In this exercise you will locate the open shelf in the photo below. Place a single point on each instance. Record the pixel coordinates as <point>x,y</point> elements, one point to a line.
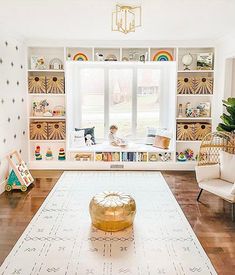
<point>60,99</point>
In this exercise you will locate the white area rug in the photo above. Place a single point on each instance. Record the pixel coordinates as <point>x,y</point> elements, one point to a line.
<point>61,240</point>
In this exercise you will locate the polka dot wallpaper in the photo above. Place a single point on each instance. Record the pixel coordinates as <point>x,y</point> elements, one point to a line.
<point>13,112</point>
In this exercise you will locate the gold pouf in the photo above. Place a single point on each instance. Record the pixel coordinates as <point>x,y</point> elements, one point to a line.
<point>112,211</point>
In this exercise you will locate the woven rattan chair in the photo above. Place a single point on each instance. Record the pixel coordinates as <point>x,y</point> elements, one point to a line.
<point>208,156</point>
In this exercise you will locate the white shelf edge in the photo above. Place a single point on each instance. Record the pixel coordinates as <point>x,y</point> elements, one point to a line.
<point>47,140</point>
<point>47,71</point>
<point>195,95</point>
<point>196,71</point>
<point>47,118</point>
<point>188,141</point>
<point>51,94</point>
<point>194,118</point>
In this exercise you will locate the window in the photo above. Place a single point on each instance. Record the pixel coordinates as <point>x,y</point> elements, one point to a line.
<point>148,100</point>
<point>92,100</point>
<point>120,100</point>
<point>133,97</point>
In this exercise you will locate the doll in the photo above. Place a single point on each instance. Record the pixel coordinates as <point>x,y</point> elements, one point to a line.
<point>89,141</point>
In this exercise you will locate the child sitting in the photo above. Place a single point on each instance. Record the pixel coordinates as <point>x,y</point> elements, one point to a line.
<point>113,139</point>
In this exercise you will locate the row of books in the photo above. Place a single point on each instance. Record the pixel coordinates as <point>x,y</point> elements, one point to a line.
<point>124,156</point>
<point>107,156</point>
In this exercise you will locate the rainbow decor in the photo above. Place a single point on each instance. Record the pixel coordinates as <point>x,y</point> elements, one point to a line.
<point>80,57</point>
<point>163,56</point>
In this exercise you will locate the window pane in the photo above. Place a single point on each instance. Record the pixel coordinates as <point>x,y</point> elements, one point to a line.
<point>148,107</point>
<point>120,100</point>
<point>92,100</point>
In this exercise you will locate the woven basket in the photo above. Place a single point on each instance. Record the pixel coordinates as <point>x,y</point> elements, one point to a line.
<point>185,131</point>
<point>203,85</point>
<point>185,85</point>
<point>37,84</point>
<point>38,130</point>
<point>56,130</point>
<point>201,130</point>
<point>55,85</point>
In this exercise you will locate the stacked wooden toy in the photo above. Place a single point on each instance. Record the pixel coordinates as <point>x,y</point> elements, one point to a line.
<point>61,154</point>
<point>49,155</point>
<point>37,154</point>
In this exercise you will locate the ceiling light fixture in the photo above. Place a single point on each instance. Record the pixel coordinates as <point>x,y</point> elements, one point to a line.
<point>126,18</point>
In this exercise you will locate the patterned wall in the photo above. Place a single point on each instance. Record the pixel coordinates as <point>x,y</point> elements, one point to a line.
<point>13,119</point>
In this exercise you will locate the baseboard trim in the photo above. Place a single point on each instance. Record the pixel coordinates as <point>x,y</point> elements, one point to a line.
<point>2,186</point>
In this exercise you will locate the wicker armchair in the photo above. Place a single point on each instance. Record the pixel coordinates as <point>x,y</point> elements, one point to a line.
<point>208,173</point>
<point>212,144</point>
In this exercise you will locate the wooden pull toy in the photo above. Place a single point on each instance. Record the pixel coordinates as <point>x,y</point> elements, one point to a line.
<point>20,177</point>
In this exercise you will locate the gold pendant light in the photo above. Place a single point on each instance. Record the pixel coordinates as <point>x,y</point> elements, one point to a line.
<point>126,18</point>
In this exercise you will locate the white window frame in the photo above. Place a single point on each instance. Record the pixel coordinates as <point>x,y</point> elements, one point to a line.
<point>70,73</point>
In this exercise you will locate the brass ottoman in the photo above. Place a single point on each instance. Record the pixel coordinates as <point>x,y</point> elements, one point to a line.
<point>112,211</point>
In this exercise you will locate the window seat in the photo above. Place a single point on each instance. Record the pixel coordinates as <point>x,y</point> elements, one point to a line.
<point>131,147</point>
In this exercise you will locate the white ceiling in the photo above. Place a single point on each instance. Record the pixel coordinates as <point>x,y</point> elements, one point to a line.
<point>91,19</point>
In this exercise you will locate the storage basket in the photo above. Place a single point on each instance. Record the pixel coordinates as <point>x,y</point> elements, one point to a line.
<point>201,130</point>
<point>203,85</point>
<point>56,130</point>
<point>38,130</point>
<point>37,84</point>
<point>185,85</point>
<point>185,131</point>
<point>55,85</point>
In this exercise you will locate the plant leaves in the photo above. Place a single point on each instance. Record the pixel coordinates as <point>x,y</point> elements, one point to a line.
<point>227,128</point>
<point>228,120</point>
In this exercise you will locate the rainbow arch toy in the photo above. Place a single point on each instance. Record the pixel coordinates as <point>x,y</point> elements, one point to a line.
<point>80,57</point>
<point>163,56</point>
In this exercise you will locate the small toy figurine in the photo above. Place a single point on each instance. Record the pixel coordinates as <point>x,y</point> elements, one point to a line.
<point>113,139</point>
<point>61,155</point>
<point>189,154</point>
<point>89,141</point>
<point>181,157</point>
<point>49,155</point>
<point>37,153</point>
<point>180,111</point>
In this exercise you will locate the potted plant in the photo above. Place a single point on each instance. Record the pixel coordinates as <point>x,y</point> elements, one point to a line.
<point>228,118</point>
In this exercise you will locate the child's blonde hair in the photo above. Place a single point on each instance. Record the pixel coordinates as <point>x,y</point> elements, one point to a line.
<point>112,127</point>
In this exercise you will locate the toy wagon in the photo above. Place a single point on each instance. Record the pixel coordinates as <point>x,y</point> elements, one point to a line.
<point>20,177</point>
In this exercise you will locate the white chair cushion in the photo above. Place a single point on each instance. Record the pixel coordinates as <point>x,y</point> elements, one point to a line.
<point>219,187</point>
<point>207,172</point>
<point>233,189</point>
<point>227,166</point>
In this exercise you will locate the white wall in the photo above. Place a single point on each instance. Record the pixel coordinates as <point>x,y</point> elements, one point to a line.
<point>225,73</point>
<point>13,119</point>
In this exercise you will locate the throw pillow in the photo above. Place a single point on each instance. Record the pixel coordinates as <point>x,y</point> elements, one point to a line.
<point>78,139</point>
<point>207,172</point>
<point>151,133</point>
<point>90,131</point>
<point>227,166</point>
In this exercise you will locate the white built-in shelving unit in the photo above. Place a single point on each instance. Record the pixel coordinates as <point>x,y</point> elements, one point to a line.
<point>66,54</point>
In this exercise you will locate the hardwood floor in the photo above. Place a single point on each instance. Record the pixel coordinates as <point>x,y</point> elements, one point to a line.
<point>209,219</point>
